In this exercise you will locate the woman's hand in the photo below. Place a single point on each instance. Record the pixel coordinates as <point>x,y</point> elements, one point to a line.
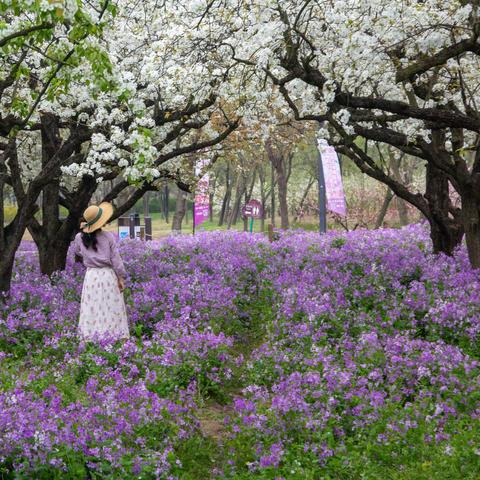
<point>121,284</point>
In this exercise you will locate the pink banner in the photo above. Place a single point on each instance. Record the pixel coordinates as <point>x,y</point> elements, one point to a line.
<point>201,209</point>
<point>333,180</point>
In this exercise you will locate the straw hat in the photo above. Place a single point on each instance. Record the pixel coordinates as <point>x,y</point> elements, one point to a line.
<point>96,217</point>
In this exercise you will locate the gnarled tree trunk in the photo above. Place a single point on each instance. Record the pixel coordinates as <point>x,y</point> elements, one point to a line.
<point>471,224</point>
<point>446,228</point>
<point>53,255</point>
<point>446,232</point>
<point>11,235</point>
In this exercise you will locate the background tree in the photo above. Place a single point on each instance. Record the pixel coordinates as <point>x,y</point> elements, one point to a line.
<point>127,130</point>
<point>280,147</point>
<point>41,46</point>
<point>402,74</point>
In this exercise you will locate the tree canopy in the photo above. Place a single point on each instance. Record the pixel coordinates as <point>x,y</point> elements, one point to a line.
<point>126,92</point>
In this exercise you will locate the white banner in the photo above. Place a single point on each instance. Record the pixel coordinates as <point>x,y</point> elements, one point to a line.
<point>333,179</point>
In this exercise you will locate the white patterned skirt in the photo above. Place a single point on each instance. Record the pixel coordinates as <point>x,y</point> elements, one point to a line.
<point>102,311</point>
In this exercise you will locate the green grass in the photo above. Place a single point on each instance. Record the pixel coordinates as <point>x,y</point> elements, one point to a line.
<point>159,224</point>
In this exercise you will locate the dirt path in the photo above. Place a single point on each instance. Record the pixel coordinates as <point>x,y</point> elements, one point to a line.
<point>213,416</point>
<point>212,421</point>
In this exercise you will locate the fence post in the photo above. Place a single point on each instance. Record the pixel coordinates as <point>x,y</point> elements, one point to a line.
<point>270,232</point>
<point>148,228</point>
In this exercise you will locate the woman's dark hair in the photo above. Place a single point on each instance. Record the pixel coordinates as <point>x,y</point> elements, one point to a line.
<point>90,239</point>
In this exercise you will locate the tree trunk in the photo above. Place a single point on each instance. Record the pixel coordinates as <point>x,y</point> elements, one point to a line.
<point>384,208</point>
<point>402,209</point>
<point>53,255</point>
<point>6,271</point>
<point>54,235</point>
<point>282,199</point>
<point>225,206</point>
<point>53,244</point>
<point>232,220</point>
<point>180,210</point>
<point>11,235</point>
<point>446,232</point>
<point>471,224</point>
<point>49,237</point>
<point>282,171</point>
<point>146,205</point>
<point>264,194</point>
<point>226,197</point>
<point>445,238</point>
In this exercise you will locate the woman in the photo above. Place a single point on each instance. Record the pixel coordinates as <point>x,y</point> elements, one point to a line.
<point>102,311</point>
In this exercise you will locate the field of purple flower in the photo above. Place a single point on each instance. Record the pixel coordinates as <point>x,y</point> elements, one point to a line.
<point>344,356</point>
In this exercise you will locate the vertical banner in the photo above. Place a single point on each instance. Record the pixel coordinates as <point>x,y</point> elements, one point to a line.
<point>201,206</point>
<point>333,179</point>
